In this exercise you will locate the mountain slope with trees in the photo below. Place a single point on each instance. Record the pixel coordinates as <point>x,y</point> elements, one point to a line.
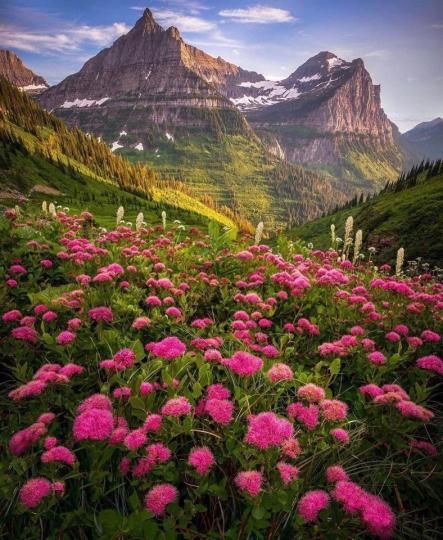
<point>40,154</point>
<point>407,213</point>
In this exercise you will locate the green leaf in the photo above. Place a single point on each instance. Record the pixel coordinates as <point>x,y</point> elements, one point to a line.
<point>334,368</point>
<point>139,350</point>
<point>134,502</point>
<point>258,512</point>
<point>48,339</point>
<point>110,521</point>
<point>137,403</point>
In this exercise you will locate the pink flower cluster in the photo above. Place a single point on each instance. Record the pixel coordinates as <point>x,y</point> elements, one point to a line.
<point>47,374</point>
<point>267,429</point>
<point>168,348</point>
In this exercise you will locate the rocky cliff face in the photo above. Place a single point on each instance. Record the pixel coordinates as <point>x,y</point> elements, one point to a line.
<point>14,71</point>
<point>150,79</point>
<point>328,112</point>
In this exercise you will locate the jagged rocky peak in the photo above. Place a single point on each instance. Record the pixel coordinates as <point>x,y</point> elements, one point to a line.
<point>149,77</point>
<point>318,66</point>
<point>14,70</point>
<point>320,75</point>
<point>147,23</point>
<point>173,32</point>
<point>149,61</point>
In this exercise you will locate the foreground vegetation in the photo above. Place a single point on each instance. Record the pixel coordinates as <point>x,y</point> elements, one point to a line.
<point>164,382</point>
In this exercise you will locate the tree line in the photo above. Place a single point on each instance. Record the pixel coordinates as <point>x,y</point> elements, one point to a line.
<point>422,172</point>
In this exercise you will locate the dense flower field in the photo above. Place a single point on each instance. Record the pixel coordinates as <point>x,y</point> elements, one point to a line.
<point>163,383</point>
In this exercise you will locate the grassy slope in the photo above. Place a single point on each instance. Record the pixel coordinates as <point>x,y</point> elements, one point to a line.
<point>412,218</point>
<point>81,187</point>
<point>233,171</point>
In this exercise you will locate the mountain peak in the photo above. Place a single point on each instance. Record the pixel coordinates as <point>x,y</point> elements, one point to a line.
<point>324,55</point>
<point>14,70</point>
<point>173,32</point>
<point>147,23</point>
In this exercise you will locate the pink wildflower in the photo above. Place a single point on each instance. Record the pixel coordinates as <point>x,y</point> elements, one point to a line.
<point>333,409</point>
<point>32,493</point>
<point>412,410</point>
<point>152,423</point>
<point>376,357</point>
<point>311,392</point>
<point>340,434</point>
<point>430,336</point>
<point>267,429</point>
<point>168,348</point>
<point>176,407</point>
<point>59,453</point>
<point>134,439</point>
<point>141,322</point>
<point>124,358</point>
<point>288,472</point>
<point>312,502</point>
<point>217,391</point>
<point>352,497</point>
<point>280,372</point>
<point>159,497</point>
<point>158,453</point>
<point>65,338</point>
<point>202,459</point>
<point>25,333</point>
<point>93,424</point>
<point>291,448</point>
<point>371,390</point>
<point>146,388</point>
<point>244,364</point>
<point>431,363</point>
<point>101,313</point>
<point>336,473</point>
<point>249,481</point>
<point>220,410</point>
<point>308,416</point>
<point>378,517</point>
<point>426,447</point>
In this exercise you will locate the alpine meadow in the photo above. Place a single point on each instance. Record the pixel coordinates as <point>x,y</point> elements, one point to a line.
<point>221,270</point>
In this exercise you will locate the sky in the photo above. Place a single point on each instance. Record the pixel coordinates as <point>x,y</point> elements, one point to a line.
<point>400,41</point>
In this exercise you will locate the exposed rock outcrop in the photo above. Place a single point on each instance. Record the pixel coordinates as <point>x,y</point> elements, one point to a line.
<point>149,79</point>
<point>14,70</point>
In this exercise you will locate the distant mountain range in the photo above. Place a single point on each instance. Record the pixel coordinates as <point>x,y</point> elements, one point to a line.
<point>229,132</point>
<point>426,139</point>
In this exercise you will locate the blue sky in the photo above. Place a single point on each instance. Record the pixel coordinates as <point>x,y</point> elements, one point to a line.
<point>401,41</point>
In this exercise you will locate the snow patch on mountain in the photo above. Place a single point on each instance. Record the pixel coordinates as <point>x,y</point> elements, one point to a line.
<point>139,146</point>
<point>30,87</point>
<point>334,62</point>
<point>83,103</point>
<point>311,78</point>
<point>115,146</point>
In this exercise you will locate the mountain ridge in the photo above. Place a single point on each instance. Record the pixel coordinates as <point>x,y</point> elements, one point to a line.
<point>155,98</point>
<point>17,73</point>
<point>426,139</point>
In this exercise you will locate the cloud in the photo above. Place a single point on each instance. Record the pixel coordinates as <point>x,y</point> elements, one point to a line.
<point>216,38</point>
<point>258,14</point>
<point>378,53</point>
<point>192,6</point>
<point>185,23</point>
<point>438,26</point>
<point>69,39</point>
